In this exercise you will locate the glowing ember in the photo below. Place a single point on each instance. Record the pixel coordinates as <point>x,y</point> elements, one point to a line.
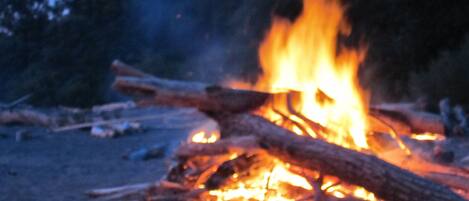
<point>427,137</point>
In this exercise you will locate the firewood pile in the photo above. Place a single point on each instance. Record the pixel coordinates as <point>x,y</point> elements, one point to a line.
<point>253,158</point>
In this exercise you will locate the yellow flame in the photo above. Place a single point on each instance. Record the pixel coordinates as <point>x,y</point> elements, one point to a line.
<point>205,137</point>
<point>364,194</point>
<point>302,56</point>
<point>259,187</point>
<point>427,137</point>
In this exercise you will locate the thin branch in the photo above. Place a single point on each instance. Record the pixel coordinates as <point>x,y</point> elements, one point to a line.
<point>393,134</point>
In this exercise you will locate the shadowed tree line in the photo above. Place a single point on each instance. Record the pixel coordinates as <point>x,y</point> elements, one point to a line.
<point>61,51</point>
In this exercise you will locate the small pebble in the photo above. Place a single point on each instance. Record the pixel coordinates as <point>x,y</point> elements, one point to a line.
<point>156,151</point>
<point>12,173</point>
<point>22,135</point>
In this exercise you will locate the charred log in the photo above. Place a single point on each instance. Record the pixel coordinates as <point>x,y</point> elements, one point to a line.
<point>385,180</point>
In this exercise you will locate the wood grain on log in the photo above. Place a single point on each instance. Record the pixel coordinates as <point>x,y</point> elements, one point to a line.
<point>208,98</point>
<point>385,180</point>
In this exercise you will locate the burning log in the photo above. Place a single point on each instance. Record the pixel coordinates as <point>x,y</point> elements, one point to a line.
<point>387,181</point>
<point>225,171</point>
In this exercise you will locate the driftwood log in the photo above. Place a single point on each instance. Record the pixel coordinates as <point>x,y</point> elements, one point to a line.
<point>61,118</point>
<point>228,107</point>
<point>208,98</point>
<point>25,116</point>
<point>402,118</point>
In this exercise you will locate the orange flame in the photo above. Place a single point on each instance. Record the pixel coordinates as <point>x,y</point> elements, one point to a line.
<point>302,56</point>
<point>259,187</point>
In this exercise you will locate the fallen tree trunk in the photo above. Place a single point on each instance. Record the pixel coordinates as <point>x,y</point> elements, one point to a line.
<point>385,180</point>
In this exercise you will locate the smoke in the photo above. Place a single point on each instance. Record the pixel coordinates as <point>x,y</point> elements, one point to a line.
<point>206,40</point>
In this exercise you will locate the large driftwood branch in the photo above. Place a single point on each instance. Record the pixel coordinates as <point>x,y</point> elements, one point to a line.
<point>212,98</point>
<point>385,180</point>
<point>208,98</point>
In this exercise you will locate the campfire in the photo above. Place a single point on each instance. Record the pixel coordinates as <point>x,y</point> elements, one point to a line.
<point>319,97</point>
<point>304,131</point>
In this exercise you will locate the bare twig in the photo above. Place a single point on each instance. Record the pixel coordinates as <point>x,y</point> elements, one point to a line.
<point>295,123</point>
<point>16,102</point>
<point>315,126</point>
<point>393,134</point>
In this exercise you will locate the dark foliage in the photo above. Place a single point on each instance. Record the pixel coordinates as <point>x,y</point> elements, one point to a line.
<point>403,36</point>
<point>447,76</point>
<point>64,59</point>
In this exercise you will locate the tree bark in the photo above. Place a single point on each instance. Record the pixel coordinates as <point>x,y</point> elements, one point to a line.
<point>387,181</point>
